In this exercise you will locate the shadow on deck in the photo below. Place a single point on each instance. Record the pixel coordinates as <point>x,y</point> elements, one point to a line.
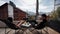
<point>54,25</point>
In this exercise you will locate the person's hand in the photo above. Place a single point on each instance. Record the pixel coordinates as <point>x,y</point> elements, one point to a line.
<point>35,24</point>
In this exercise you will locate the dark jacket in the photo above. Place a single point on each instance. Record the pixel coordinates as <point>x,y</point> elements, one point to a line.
<point>10,24</point>
<point>41,25</point>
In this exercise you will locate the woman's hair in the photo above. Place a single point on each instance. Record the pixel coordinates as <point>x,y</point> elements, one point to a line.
<point>10,19</point>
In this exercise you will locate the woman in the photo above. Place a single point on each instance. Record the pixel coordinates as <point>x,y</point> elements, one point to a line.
<point>10,24</point>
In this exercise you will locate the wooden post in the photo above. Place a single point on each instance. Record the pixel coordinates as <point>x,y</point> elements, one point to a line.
<point>37,7</point>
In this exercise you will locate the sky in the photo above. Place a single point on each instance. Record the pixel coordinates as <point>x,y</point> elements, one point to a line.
<point>30,5</point>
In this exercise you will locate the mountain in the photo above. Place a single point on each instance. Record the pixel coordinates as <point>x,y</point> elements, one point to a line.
<point>31,13</point>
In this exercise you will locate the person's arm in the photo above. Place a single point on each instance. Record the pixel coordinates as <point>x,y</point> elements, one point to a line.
<point>21,22</point>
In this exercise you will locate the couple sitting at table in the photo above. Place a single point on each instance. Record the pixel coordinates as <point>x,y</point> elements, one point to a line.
<point>9,23</point>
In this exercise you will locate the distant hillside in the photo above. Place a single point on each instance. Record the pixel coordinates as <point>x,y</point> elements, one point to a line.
<point>31,13</point>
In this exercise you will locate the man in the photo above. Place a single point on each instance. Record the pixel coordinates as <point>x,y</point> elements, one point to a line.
<point>43,23</point>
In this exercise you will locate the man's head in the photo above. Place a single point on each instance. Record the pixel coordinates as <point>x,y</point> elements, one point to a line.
<point>44,16</point>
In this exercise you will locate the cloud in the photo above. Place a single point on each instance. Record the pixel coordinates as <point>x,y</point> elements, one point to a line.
<point>29,5</point>
<point>29,2</point>
<point>42,7</point>
<point>6,0</point>
<point>29,8</point>
<point>1,2</point>
<point>46,7</point>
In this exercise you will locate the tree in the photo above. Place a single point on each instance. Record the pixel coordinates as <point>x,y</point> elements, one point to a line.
<point>58,11</point>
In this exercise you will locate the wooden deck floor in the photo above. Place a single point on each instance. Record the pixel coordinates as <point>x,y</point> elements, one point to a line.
<point>44,31</point>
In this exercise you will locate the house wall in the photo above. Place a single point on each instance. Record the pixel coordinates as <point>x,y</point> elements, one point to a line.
<point>10,11</point>
<point>19,14</point>
<point>3,12</point>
